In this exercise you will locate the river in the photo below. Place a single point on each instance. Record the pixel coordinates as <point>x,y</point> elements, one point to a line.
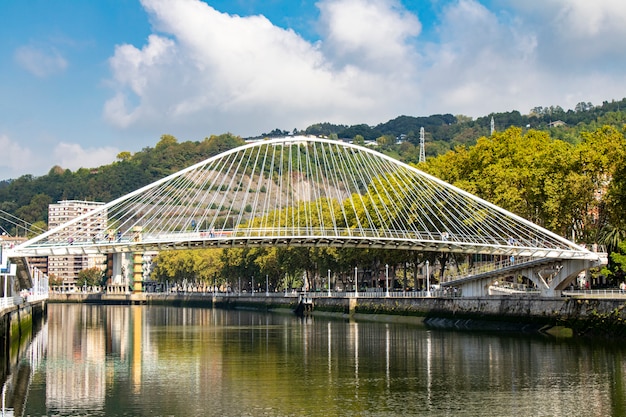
<point>94,360</point>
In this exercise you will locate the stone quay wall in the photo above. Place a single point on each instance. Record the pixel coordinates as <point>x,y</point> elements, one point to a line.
<point>18,322</point>
<point>581,316</point>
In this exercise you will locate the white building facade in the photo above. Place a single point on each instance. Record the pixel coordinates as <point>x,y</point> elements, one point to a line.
<point>67,267</point>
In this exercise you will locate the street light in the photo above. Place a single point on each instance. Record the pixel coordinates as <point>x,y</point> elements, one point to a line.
<point>329,282</point>
<point>356,281</point>
<point>427,281</point>
<point>387,279</point>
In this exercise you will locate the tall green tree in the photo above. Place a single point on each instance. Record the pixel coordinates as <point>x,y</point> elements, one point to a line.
<point>90,277</point>
<point>523,173</point>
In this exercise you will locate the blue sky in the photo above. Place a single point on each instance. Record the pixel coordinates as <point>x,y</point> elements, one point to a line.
<point>81,81</point>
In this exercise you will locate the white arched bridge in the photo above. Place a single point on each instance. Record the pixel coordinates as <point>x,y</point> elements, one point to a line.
<point>304,191</point>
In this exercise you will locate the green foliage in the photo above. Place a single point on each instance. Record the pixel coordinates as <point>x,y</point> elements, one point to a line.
<point>31,212</point>
<point>90,277</point>
<point>364,130</point>
<point>548,174</point>
<point>27,197</point>
<point>124,156</point>
<point>197,265</point>
<point>324,129</point>
<point>547,181</point>
<point>619,261</point>
<point>54,280</point>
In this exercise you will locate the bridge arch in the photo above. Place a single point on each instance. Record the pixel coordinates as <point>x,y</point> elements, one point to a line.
<point>303,191</point>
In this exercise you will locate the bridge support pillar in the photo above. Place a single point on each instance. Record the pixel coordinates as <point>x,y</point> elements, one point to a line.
<point>554,285</point>
<point>109,269</point>
<point>137,272</point>
<point>122,269</point>
<point>550,276</point>
<point>474,289</point>
<point>551,293</point>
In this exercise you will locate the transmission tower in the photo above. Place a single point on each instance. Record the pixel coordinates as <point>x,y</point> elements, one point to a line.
<point>422,151</point>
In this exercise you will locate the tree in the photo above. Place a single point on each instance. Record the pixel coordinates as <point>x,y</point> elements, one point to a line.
<point>523,173</point>
<point>90,277</point>
<point>582,107</point>
<point>166,140</point>
<point>202,266</point>
<point>54,280</point>
<point>36,209</point>
<point>124,156</point>
<point>359,140</point>
<point>386,141</point>
<point>217,144</point>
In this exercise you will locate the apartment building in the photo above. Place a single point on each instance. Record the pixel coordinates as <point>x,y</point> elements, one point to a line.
<point>67,267</point>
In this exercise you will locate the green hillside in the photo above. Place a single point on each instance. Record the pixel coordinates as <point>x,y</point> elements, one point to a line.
<point>27,197</point>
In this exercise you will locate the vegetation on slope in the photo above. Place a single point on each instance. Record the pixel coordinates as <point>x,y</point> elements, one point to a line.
<point>569,178</point>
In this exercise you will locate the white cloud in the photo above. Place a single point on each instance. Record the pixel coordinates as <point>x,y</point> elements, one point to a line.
<point>73,156</point>
<point>576,19</point>
<point>39,62</point>
<point>577,35</point>
<point>514,59</point>
<point>372,33</point>
<point>582,19</point>
<point>203,72</point>
<point>480,63</point>
<point>212,71</point>
<point>14,159</point>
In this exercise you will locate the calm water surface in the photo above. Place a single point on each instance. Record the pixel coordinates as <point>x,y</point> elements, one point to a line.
<point>168,361</point>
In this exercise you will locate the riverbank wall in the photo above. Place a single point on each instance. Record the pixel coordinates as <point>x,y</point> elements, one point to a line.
<point>18,324</point>
<point>563,316</point>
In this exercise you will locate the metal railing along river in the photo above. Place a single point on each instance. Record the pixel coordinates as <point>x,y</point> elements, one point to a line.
<point>448,292</point>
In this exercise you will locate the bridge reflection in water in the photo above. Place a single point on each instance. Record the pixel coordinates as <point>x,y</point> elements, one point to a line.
<point>147,360</point>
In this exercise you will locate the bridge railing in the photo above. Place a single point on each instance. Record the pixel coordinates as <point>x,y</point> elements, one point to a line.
<point>132,237</point>
<point>37,297</point>
<point>486,267</point>
<point>603,293</point>
<point>265,232</point>
<point>442,292</point>
<point>6,302</point>
<point>446,292</point>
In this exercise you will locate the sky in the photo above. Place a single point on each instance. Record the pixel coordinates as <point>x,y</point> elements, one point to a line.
<point>82,81</point>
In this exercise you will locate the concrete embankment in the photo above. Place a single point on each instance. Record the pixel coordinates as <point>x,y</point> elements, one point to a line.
<point>563,316</point>
<point>18,324</point>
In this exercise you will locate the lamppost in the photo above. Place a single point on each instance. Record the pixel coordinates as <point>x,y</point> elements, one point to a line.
<point>329,282</point>
<point>356,281</point>
<point>427,281</point>
<point>239,292</point>
<point>252,285</point>
<point>387,279</point>
<point>267,286</point>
